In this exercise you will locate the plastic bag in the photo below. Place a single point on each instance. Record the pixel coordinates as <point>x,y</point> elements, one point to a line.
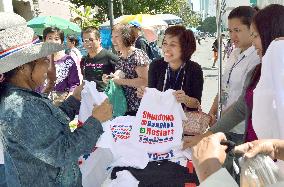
<point>117,98</point>
<point>259,171</point>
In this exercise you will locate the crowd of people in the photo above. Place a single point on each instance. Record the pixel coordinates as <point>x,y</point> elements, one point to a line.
<point>41,85</point>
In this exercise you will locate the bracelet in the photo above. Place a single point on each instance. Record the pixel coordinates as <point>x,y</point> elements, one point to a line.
<point>195,101</point>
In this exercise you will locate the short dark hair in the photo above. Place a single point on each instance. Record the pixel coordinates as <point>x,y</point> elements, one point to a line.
<point>244,13</point>
<point>127,34</point>
<point>48,30</point>
<point>186,39</point>
<point>91,30</point>
<point>73,38</point>
<point>269,23</point>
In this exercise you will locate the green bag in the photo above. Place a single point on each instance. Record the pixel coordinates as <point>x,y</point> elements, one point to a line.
<point>117,98</point>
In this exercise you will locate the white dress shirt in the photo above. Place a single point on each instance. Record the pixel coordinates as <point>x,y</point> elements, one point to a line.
<point>268,99</point>
<point>236,69</point>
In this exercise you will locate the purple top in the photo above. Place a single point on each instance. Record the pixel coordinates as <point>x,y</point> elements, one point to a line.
<point>66,74</point>
<point>250,134</point>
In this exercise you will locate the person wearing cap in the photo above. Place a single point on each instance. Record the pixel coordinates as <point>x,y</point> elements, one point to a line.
<point>72,44</point>
<point>39,148</point>
<point>140,41</point>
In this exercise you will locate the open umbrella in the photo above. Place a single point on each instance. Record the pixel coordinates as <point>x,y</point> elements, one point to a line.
<point>171,19</point>
<point>38,24</point>
<point>145,20</point>
<point>149,24</point>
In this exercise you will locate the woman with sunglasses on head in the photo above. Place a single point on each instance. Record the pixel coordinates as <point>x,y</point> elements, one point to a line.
<point>132,65</point>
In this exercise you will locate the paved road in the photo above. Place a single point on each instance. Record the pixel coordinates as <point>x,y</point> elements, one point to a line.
<point>204,56</point>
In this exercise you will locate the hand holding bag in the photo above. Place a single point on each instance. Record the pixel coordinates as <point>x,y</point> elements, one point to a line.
<point>117,98</point>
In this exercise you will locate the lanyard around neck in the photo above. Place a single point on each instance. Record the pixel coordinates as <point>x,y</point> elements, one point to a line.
<point>232,68</point>
<point>168,76</point>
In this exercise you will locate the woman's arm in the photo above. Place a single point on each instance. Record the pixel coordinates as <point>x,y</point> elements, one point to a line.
<point>271,147</point>
<point>48,136</point>
<point>141,61</point>
<point>214,108</point>
<point>141,80</point>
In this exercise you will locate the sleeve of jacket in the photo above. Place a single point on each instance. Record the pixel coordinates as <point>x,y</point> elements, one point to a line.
<point>232,117</point>
<point>153,75</point>
<point>236,113</point>
<point>70,106</point>
<point>196,82</point>
<point>48,137</point>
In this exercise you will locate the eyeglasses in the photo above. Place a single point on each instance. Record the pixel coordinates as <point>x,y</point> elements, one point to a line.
<point>88,40</point>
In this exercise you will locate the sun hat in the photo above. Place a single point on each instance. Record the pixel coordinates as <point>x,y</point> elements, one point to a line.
<point>18,43</point>
<point>135,23</point>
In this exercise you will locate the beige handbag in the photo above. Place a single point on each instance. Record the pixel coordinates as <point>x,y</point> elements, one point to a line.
<point>196,123</point>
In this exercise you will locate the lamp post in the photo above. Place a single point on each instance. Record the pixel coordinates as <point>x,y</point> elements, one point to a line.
<point>220,10</point>
<point>121,6</point>
<point>110,11</point>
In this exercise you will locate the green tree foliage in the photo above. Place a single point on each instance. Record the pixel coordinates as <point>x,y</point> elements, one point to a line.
<point>86,17</point>
<point>180,8</point>
<point>208,25</point>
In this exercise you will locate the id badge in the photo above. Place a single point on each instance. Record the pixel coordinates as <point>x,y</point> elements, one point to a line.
<point>224,96</point>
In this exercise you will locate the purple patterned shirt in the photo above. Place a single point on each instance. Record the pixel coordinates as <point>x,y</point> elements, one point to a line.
<point>66,74</point>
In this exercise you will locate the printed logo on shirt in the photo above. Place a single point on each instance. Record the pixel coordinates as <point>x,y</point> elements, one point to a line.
<point>94,65</point>
<point>156,128</point>
<point>161,156</point>
<point>120,131</point>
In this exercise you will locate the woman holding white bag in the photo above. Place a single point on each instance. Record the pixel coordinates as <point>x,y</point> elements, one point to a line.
<point>176,71</point>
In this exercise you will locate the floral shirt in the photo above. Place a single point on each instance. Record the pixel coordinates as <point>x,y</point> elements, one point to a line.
<point>128,66</point>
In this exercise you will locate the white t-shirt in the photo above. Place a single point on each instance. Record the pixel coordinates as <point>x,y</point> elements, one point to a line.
<point>90,97</point>
<point>239,64</point>
<point>154,134</point>
<point>116,137</point>
<point>159,128</point>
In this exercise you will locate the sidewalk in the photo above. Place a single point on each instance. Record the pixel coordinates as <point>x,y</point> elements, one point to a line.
<point>204,57</point>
